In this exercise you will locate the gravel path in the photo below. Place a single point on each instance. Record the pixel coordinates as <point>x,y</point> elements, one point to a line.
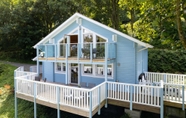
<point>26,66</point>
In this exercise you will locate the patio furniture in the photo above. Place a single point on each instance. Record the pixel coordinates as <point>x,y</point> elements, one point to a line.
<point>37,78</point>
<point>86,53</point>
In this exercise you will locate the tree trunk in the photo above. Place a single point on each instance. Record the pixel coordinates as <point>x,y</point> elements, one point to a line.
<point>115,14</point>
<point>179,23</point>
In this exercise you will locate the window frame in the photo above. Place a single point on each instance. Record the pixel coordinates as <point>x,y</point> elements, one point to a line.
<point>62,66</point>
<point>94,71</point>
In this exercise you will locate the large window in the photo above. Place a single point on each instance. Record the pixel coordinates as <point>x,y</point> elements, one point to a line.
<point>60,67</point>
<point>87,69</point>
<point>97,70</point>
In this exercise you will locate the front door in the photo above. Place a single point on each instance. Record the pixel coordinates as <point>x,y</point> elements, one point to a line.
<point>74,73</point>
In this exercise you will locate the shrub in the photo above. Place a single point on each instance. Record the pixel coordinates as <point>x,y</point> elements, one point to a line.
<point>169,61</point>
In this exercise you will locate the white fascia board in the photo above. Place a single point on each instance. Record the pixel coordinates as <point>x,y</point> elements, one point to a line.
<point>57,30</point>
<point>115,31</point>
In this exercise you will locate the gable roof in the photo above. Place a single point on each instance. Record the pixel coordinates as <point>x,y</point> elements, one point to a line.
<point>78,15</point>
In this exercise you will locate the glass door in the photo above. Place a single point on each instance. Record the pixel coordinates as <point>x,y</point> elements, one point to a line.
<point>74,73</point>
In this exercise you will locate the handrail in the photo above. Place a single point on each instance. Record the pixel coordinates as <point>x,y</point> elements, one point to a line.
<point>166,77</point>
<point>46,83</point>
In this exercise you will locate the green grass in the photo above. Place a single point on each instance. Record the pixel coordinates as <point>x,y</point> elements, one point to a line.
<point>7,95</point>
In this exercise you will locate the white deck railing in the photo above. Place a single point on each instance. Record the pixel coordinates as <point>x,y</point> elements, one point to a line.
<point>34,69</point>
<point>141,94</point>
<point>173,92</point>
<point>25,87</point>
<point>28,75</point>
<point>98,94</point>
<point>70,96</point>
<point>166,77</point>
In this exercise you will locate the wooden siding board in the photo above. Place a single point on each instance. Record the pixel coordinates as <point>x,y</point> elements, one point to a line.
<point>145,60</point>
<point>48,71</point>
<point>139,61</point>
<point>59,77</point>
<point>125,60</point>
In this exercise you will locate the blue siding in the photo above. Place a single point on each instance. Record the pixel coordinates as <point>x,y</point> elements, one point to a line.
<point>145,60</point>
<point>59,78</point>
<point>48,71</point>
<point>93,80</point>
<point>65,31</point>
<point>125,60</point>
<point>139,61</point>
<point>50,51</point>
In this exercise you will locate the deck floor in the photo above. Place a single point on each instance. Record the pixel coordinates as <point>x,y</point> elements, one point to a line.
<point>81,107</point>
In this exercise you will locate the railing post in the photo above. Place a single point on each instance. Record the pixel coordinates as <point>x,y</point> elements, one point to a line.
<point>106,94</point>
<point>38,70</point>
<point>131,92</point>
<point>183,98</point>
<point>161,100</point>
<point>35,93</point>
<point>15,89</point>
<point>165,78</point>
<point>90,52</point>
<point>99,100</point>
<point>58,100</point>
<point>90,107</point>
<point>66,62</point>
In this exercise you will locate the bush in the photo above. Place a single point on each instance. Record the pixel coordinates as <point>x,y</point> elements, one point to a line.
<point>169,61</point>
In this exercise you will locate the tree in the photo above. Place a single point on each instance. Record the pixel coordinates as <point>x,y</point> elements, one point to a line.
<point>180,14</point>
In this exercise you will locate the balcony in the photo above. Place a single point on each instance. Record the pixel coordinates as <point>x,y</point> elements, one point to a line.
<point>80,52</point>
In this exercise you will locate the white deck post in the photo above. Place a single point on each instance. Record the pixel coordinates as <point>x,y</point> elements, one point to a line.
<point>183,98</point>
<point>15,89</point>
<point>131,92</point>
<point>38,69</point>
<point>161,102</point>
<point>91,52</point>
<point>35,93</point>
<point>79,74</point>
<point>58,100</point>
<point>90,102</point>
<point>66,79</point>
<point>106,76</point>
<point>99,111</point>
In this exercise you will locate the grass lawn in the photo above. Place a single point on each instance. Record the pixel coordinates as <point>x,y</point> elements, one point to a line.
<point>7,95</point>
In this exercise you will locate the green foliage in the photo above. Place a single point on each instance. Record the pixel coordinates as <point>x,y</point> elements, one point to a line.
<point>170,61</point>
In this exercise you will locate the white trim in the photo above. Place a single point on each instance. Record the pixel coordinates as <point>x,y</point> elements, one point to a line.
<point>77,15</point>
